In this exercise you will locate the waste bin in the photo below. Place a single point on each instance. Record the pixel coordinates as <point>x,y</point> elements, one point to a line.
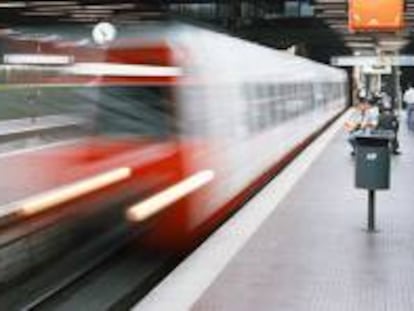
<point>373,160</point>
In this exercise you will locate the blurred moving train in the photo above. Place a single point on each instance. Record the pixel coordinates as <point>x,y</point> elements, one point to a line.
<point>187,123</point>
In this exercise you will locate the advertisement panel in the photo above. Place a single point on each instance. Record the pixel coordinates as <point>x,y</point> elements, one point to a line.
<point>371,15</point>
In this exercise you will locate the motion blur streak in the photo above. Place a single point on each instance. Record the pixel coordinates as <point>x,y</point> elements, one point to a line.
<point>37,59</point>
<point>55,197</point>
<point>92,69</point>
<point>158,202</point>
<point>122,70</point>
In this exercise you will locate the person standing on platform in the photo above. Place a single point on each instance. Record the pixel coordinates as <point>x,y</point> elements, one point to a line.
<point>409,100</point>
<point>389,121</point>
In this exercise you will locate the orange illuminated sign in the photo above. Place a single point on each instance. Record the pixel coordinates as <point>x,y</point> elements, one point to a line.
<point>376,14</point>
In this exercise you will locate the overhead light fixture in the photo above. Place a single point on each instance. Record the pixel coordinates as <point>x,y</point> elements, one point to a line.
<point>91,11</point>
<point>360,45</point>
<point>7,32</point>
<point>54,8</point>
<point>349,38</point>
<point>79,20</point>
<point>339,26</point>
<point>89,14</point>
<point>49,3</point>
<point>41,13</point>
<point>10,5</point>
<point>146,14</point>
<point>22,38</point>
<point>50,38</point>
<point>103,33</point>
<point>81,42</point>
<point>121,6</point>
<point>335,11</point>
<point>397,43</point>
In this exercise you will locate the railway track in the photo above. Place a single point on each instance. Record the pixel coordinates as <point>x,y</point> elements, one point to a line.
<point>112,273</point>
<point>44,258</point>
<point>116,283</point>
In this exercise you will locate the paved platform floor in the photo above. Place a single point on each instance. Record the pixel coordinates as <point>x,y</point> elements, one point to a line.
<point>313,252</point>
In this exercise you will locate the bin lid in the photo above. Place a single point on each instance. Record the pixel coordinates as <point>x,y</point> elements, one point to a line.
<point>376,134</point>
<point>376,137</point>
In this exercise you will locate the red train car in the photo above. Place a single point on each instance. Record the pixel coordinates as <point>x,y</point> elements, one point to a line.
<point>185,123</point>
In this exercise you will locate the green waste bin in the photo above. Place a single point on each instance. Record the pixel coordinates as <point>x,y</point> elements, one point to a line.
<point>373,160</point>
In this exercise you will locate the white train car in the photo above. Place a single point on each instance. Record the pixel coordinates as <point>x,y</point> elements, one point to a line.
<point>254,105</point>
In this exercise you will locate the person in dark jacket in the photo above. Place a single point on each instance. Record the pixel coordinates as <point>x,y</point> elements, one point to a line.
<point>389,121</point>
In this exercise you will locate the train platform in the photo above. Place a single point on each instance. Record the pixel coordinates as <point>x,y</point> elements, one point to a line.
<point>302,242</point>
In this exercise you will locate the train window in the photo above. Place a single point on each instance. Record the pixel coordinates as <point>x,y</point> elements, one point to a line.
<point>248,92</point>
<point>269,91</point>
<point>282,102</point>
<point>263,115</point>
<point>272,104</point>
<point>272,91</point>
<point>280,111</point>
<point>250,114</point>
<point>259,91</point>
<point>287,91</point>
<point>134,111</point>
<point>304,97</point>
<point>265,91</point>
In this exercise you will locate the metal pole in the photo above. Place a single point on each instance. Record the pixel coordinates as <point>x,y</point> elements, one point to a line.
<point>371,210</point>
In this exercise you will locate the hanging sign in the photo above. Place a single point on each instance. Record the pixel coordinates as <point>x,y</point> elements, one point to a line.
<point>372,15</point>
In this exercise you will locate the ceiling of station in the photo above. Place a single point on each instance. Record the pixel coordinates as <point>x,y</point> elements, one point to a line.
<point>335,14</point>
<point>328,24</point>
<point>82,11</point>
